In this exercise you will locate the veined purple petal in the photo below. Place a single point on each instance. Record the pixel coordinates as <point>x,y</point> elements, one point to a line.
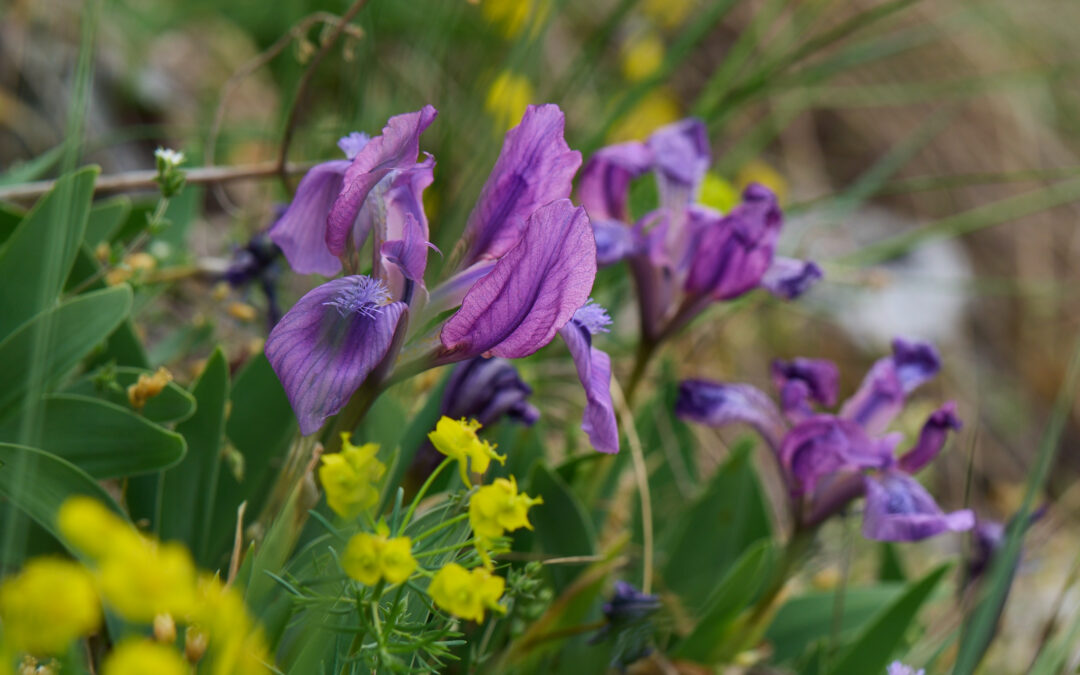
<point>931,438</point>
<point>352,144</point>
<point>680,157</point>
<point>329,342</point>
<point>881,395</point>
<point>396,148</point>
<point>825,445</point>
<point>605,181</point>
<point>789,278</point>
<point>486,389</point>
<point>300,232</point>
<point>614,241</point>
<point>451,292</point>
<point>733,254</point>
<point>531,292</point>
<point>535,167</point>
<point>801,380</point>
<point>401,230</point>
<point>594,370</point>
<point>408,254</point>
<point>719,404</point>
<point>898,508</point>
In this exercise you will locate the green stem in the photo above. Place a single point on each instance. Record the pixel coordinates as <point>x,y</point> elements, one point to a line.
<point>443,525</point>
<point>420,494</point>
<point>445,549</point>
<point>645,351</point>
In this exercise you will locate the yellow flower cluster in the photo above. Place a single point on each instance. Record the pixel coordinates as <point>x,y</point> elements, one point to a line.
<point>147,387</point>
<point>369,558</point>
<point>457,440</point>
<point>467,594</point>
<point>349,477</point>
<point>47,606</point>
<point>499,507</point>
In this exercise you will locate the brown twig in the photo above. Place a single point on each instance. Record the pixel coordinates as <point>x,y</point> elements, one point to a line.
<point>145,180</point>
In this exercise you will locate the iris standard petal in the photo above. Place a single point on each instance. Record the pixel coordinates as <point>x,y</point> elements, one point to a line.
<point>300,232</point>
<point>719,404</point>
<point>825,445</point>
<point>329,342</point>
<point>594,370</point>
<point>397,148</point>
<point>531,292</point>
<point>931,438</point>
<point>604,188</point>
<point>680,153</point>
<point>535,166</point>
<point>789,278</point>
<point>898,508</point>
<point>880,397</point>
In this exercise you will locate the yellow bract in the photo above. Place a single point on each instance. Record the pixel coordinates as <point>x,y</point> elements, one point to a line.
<point>136,656</point>
<point>718,193</point>
<point>349,477</point>
<point>371,557</point>
<point>507,99</point>
<point>498,508</point>
<point>457,440</point>
<point>466,594</point>
<point>642,57</point>
<point>47,605</point>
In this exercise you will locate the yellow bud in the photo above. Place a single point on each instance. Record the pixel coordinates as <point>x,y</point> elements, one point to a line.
<point>141,262</point>
<point>242,311</point>
<point>50,603</point>
<point>164,628</point>
<point>117,275</point>
<point>195,641</point>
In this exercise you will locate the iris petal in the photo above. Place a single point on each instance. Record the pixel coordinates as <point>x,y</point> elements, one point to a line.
<point>300,232</point>
<point>719,404</point>
<point>594,370</point>
<point>898,508</point>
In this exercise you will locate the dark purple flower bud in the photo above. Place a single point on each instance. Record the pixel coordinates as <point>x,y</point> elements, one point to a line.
<point>680,158</point>
<point>898,508</point>
<point>604,187</point>
<point>986,539</point>
<point>628,624</point>
<point>815,379</point>
<point>628,604</point>
<point>881,395</point>
<point>329,342</point>
<point>931,438</point>
<point>531,292</point>
<point>732,254</point>
<point>535,167</point>
<point>252,262</point>
<point>485,390</point>
<point>788,278</point>
<point>594,370</point>
<point>825,445</point>
<point>718,404</point>
<point>615,242</point>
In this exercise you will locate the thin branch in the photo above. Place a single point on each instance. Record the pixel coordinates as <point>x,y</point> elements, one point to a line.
<point>144,180</point>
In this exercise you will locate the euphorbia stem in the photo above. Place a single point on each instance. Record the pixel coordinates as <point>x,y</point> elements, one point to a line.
<point>645,351</point>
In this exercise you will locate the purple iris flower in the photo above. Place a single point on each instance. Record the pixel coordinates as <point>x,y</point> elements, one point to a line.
<point>684,255</point>
<point>827,459</point>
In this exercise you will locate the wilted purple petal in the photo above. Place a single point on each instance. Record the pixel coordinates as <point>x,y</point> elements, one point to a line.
<point>801,380</point>
<point>397,148</point>
<point>535,167</point>
<point>732,255</point>
<point>614,241</point>
<point>531,292</point>
<point>352,144</point>
<point>605,181</point>
<point>899,509</point>
<point>486,389</point>
<point>326,345</point>
<point>680,157</point>
<point>825,445</point>
<point>881,395</point>
<point>594,370</point>
<point>718,404</point>
<point>301,230</point>
<point>931,438</point>
<point>789,278</point>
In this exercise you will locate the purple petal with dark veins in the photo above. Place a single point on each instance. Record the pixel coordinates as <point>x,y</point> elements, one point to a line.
<point>931,438</point>
<point>329,342</point>
<point>594,370</point>
<point>898,508</point>
<point>718,404</point>
<point>396,148</point>
<point>789,278</point>
<point>300,232</point>
<point>535,167</point>
<point>531,292</point>
<point>605,181</point>
<point>825,445</point>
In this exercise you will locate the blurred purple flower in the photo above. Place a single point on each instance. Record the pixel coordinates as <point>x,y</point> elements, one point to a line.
<point>487,389</point>
<point>828,460</point>
<point>897,668</point>
<point>628,624</point>
<point>257,263</point>
<point>594,370</point>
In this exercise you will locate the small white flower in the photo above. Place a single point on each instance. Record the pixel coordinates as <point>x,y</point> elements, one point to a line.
<point>169,156</point>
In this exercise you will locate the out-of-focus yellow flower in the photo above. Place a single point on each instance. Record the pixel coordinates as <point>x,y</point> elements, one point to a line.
<point>349,477</point>
<point>758,171</point>
<point>141,261</point>
<point>371,557</point>
<point>241,311</point>
<point>507,99</point>
<point>148,579</point>
<point>642,56</point>
<point>457,440</point>
<point>718,193</point>
<point>467,594</point>
<point>511,16</point>
<point>667,13</point>
<point>50,603</point>
<point>221,620</point>
<point>499,507</point>
<point>93,529</point>
<point>136,656</point>
<point>652,112</point>
<point>118,275</point>
<point>148,386</point>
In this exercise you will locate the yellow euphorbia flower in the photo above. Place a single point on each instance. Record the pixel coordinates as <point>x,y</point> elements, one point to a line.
<point>371,557</point>
<point>642,57</point>
<point>466,594</point>
<point>653,111</point>
<point>237,644</point>
<point>718,193</point>
<point>498,508</point>
<point>457,440</point>
<point>136,656</point>
<point>47,606</point>
<point>507,99</point>
<point>146,579</point>
<point>349,477</point>
<point>92,528</point>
